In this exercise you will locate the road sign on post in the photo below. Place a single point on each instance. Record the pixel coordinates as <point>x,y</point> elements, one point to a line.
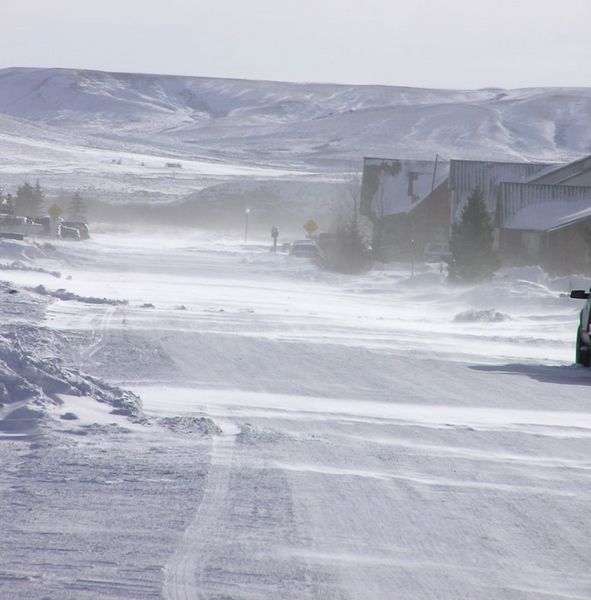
<point>55,211</point>
<point>310,227</point>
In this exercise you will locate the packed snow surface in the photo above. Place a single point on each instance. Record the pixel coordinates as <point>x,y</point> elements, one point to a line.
<point>304,434</point>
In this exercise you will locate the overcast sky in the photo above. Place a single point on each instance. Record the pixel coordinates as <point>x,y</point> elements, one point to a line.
<point>427,43</point>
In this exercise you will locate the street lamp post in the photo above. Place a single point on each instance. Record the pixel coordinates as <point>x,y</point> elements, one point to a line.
<point>246,213</point>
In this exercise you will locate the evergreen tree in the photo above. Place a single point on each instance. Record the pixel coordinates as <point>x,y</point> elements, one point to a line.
<point>24,200</point>
<point>348,252</point>
<point>29,200</point>
<point>77,210</point>
<point>472,255</point>
<point>37,201</point>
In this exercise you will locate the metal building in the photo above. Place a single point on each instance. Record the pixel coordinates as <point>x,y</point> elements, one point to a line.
<point>412,203</point>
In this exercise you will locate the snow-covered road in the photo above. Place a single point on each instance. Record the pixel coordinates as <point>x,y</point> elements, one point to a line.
<point>383,436</point>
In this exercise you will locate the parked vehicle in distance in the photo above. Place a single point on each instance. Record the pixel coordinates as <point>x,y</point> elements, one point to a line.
<point>80,226</point>
<point>42,226</point>
<point>20,225</point>
<point>436,252</point>
<point>304,248</point>
<point>583,341</point>
<point>69,233</point>
<point>11,236</point>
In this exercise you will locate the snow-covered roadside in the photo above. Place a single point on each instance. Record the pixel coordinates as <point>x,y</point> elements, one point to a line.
<point>372,444</point>
<point>33,376</point>
<point>87,482</point>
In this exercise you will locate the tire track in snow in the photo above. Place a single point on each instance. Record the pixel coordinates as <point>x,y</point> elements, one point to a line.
<point>99,334</point>
<point>184,571</point>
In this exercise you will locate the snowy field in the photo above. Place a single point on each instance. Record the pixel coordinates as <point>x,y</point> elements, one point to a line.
<point>114,133</point>
<point>375,436</point>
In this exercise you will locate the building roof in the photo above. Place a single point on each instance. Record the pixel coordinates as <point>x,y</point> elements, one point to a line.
<point>573,173</point>
<point>393,186</point>
<point>572,219</point>
<point>542,207</point>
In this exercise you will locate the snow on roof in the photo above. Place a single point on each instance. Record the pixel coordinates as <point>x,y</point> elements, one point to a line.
<point>542,207</point>
<point>573,218</point>
<point>393,186</point>
<point>564,173</point>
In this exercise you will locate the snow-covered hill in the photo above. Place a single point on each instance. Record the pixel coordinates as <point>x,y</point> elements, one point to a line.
<point>116,132</point>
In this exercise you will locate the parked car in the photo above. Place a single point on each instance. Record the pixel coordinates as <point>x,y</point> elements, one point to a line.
<point>304,248</point>
<point>436,252</point>
<point>44,222</point>
<point>80,226</point>
<point>583,341</point>
<point>20,225</point>
<point>69,233</point>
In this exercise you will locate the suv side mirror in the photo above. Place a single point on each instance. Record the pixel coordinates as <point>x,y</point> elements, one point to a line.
<point>579,294</point>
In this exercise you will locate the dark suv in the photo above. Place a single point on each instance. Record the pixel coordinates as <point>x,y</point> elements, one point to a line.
<point>583,344</point>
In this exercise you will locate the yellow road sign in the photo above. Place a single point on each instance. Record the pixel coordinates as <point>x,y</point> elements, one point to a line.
<point>310,226</point>
<point>55,211</point>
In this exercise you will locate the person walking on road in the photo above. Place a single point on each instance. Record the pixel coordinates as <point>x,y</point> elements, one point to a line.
<point>274,235</point>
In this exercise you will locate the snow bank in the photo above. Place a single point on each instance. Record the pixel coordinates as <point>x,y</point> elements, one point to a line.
<point>536,274</point>
<point>62,294</point>
<point>33,378</point>
<point>21,250</point>
<point>18,265</point>
<point>189,424</point>
<point>26,376</point>
<point>486,316</point>
<point>521,289</point>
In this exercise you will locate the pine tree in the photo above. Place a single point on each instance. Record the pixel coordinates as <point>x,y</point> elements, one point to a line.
<point>23,205</point>
<point>77,210</point>
<point>348,252</point>
<point>472,255</point>
<point>37,200</point>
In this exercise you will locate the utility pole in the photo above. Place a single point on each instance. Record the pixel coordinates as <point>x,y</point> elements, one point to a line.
<point>246,213</point>
<point>434,172</point>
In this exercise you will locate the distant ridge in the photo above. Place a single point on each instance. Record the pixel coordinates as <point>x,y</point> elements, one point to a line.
<point>52,120</point>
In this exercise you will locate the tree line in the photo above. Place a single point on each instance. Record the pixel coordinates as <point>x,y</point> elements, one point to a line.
<point>29,201</point>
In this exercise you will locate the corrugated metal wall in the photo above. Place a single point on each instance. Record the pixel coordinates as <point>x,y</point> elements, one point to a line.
<point>514,197</point>
<point>465,175</point>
